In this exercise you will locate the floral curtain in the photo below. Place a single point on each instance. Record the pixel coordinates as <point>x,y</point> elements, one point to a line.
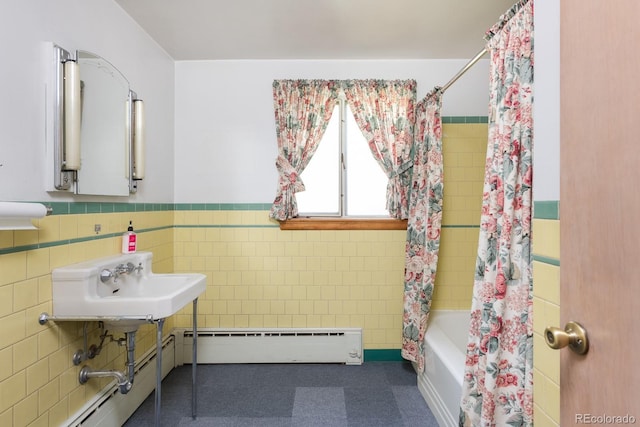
<point>423,227</point>
<point>498,380</point>
<point>302,111</point>
<point>384,112</point>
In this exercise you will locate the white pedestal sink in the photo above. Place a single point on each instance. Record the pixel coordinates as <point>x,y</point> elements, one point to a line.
<point>123,293</point>
<point>121,290</point>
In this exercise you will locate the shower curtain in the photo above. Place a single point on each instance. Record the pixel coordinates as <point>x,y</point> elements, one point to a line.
<point>498,379</point>
<point>423,226</point>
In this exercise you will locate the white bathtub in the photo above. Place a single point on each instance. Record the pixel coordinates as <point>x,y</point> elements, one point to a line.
<point>445,348</point>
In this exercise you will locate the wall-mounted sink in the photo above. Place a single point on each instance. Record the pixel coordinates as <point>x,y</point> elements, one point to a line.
<point>121,290</point>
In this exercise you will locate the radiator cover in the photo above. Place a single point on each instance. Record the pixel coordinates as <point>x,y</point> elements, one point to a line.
<point>280,345</point>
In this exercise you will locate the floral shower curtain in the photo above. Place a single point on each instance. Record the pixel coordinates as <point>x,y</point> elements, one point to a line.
<point>423,227</point>
<point>302,111</point>
<point>384,112</point>
<point>498,380</point>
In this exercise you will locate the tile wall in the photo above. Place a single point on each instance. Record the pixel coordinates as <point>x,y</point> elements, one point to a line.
<point>38,381</point>
<point>464,151</point>
<point>260,276</point>
<point>546,307</point>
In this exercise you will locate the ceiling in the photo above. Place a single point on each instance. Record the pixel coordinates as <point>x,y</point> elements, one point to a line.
<point>317,29</point>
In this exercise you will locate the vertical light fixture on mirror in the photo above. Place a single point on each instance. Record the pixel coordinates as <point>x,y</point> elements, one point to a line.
<point>67,119</point>
<point>137,163</point>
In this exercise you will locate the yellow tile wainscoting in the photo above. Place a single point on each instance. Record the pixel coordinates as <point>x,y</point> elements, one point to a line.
<point>38,381</point>
<point>546,308</point>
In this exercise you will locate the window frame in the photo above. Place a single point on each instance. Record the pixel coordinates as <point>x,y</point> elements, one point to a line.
<point>334,223</point>
<point>343,176</point>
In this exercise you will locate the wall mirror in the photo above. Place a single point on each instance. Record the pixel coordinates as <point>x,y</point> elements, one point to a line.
<point>96,137</point>
<point>105,135</point>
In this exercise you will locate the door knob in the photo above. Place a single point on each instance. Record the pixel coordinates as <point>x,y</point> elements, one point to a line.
<point>574,336</point>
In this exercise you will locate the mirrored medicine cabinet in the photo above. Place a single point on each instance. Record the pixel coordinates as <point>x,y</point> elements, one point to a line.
<point>98,127</point>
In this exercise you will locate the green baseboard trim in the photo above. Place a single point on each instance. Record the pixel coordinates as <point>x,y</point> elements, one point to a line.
<point>222,206</point>
<point>70,208</point>
<point>384,355</point>
<point>15,249</point>
<point>546,209</point>
<point>546,260</point>
<point>464,119</point>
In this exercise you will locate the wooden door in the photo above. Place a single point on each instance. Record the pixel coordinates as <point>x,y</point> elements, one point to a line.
<point>600,207</point>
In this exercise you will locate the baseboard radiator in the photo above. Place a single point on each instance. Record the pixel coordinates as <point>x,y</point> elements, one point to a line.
<point>109,408</point>
<point>282,345</point>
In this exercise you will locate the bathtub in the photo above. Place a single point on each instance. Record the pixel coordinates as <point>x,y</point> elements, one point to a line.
<point>445,346</point>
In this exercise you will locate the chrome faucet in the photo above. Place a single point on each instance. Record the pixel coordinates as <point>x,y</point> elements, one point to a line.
<point>124,268</point>
<point>106,275</point>
<point>128,268</point>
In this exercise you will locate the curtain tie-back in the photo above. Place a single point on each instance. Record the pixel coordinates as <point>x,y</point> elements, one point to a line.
<point>399,170</point>
<point>289,177</point>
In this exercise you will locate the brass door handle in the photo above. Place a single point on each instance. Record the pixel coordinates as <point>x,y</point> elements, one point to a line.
<point>574,336</point>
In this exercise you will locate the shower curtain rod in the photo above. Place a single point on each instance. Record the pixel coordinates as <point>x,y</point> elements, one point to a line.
<point>510,13</point>
<point>463,70</point>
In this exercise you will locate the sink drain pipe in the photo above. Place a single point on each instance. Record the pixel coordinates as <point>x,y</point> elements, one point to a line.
<point>125,381</point>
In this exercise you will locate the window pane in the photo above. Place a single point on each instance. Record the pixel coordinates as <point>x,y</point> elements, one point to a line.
<point>321,177</point>
<point>366,181</point>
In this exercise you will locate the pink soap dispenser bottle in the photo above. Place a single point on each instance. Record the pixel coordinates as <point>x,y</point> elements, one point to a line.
<point>129,240</point>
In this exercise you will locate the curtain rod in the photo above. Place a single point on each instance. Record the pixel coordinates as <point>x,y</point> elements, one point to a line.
<point>463,70</point>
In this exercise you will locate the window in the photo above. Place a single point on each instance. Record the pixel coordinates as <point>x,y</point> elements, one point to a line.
<point>344,185</point>
<point>343,179</point>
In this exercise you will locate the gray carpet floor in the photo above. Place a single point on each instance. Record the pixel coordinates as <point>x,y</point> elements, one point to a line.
<point>373,394</point>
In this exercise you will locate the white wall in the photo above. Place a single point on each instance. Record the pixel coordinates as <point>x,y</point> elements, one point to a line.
<point>223,109</point>
<point>546,104</point>
<point>99,26</point>
<point>225,131</point>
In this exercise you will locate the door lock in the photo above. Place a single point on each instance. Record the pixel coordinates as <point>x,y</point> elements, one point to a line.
<point>574,336</point>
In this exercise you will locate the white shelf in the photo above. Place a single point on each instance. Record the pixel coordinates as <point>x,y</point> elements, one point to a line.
<point>18,215</point>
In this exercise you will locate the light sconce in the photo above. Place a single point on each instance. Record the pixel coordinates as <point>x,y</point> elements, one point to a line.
<point>138,139</point>
<point>137,130</point>
<point>67,118</point>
